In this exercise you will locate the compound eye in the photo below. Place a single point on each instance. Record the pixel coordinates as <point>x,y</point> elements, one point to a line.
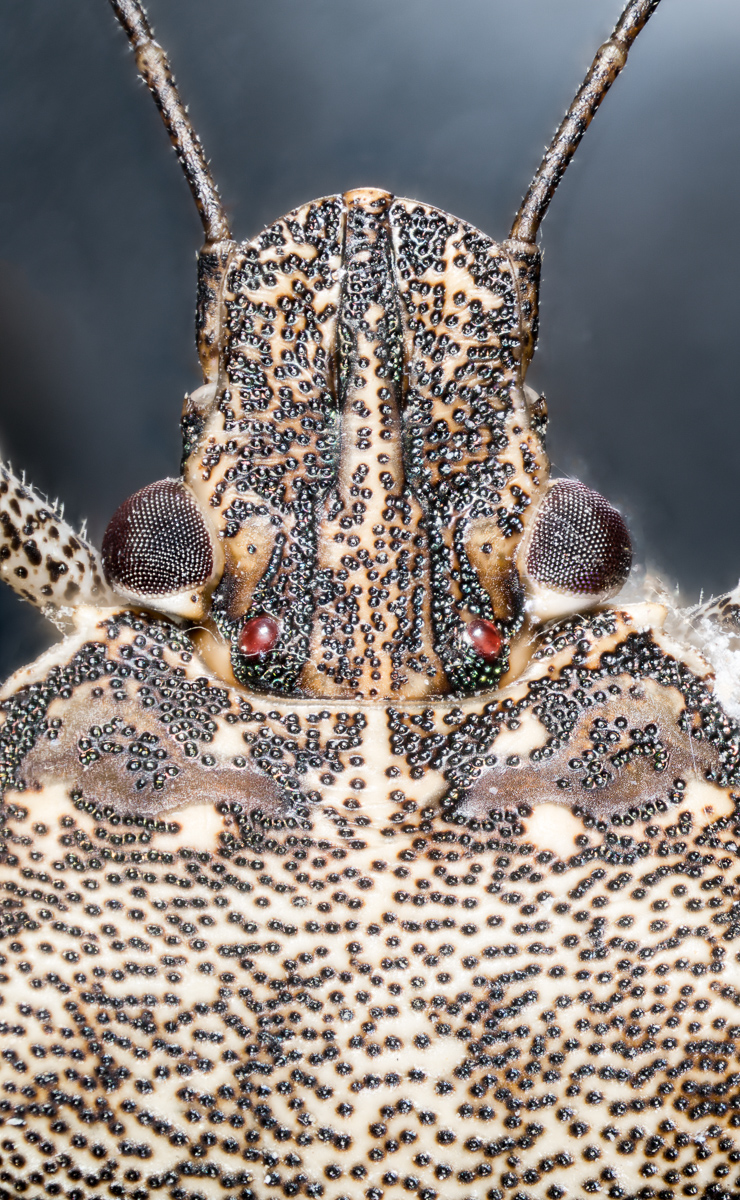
<point>578,551</point>
<point>159,550</point>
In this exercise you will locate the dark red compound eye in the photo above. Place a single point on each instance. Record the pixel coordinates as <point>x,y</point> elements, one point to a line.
<point>157,543</point>
<point>485,638</point>
<point>579,543</point>
<point>258,636</point>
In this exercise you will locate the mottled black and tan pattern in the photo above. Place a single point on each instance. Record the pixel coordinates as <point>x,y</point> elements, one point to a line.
<point>365,960</point>
<point>723,611</point>
<point>368,450</point>
<point>42,558</point>
<point>428,896</point>
<point>348,941</point>
<point>473,441</point>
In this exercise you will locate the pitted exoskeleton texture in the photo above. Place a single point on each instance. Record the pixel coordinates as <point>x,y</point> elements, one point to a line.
<point>369,454</point>
<point>268,450</point>
<point>372,625</point>
<point>399,931</point>
<point>383,957</point>
<point>387,860</point>
<point>476,457</point>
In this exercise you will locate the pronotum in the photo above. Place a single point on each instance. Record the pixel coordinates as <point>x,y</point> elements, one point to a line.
<point>382,928</point>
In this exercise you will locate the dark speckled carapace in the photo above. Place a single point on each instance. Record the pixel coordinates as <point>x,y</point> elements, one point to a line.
<point>359,840</point>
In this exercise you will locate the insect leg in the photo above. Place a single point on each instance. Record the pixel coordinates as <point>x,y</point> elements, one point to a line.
<point>607,64</point>
<point>42,558</point>
<point>722,610</point>
<point>155,71</point>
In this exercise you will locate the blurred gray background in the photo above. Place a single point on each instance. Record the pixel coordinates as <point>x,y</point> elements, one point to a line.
<point>448,101</point>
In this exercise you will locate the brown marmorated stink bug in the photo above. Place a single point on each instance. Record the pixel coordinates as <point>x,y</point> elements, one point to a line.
<point>359,840</point>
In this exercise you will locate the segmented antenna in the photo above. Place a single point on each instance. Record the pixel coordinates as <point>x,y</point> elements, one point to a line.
<point>607,64</point>
<point>155,71</point>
